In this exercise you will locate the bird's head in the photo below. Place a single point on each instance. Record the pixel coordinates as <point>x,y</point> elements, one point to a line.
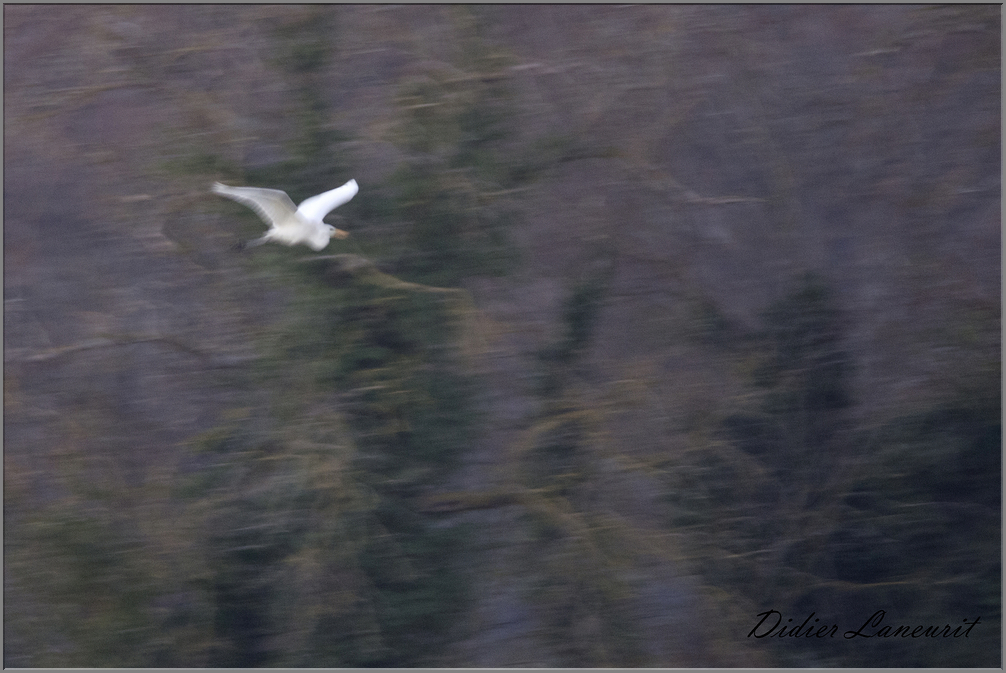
<point>336,233</point>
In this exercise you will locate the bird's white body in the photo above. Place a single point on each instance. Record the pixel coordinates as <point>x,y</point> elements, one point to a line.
<point>288,224</point>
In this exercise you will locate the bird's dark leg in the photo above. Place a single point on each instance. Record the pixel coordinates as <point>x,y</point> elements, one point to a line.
<point>244,245</point>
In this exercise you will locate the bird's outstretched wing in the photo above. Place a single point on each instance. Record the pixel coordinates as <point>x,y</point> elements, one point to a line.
<point>317,207</point>
<point>272,205</point>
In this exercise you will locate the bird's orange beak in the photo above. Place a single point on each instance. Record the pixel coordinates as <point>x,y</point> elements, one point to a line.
<point>339,233</point>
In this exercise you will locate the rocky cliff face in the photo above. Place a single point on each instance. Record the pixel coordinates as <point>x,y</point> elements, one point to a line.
<point>637,302</point>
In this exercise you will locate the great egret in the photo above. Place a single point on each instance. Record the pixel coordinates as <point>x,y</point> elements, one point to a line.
<point>291,225</point>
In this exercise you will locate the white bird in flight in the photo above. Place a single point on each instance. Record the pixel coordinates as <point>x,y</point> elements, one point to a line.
<point>288,224</point>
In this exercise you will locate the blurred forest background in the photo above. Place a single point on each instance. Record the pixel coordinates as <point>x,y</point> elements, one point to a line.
<point>653,318</point>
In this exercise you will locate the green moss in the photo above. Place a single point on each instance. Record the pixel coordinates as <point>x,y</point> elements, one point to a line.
<point>788,506</point>
<point>304,42</point>
<point>450,189</point>
<point>112,601</point>
<point>386,349</point>
<point>579,315</point>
